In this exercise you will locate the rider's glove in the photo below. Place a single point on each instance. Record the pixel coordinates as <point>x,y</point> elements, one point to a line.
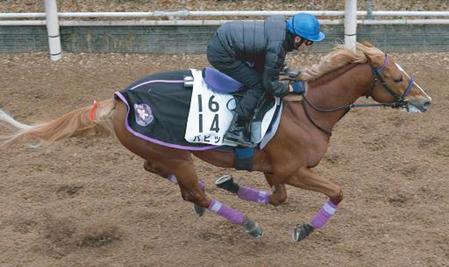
<point>298,87</point>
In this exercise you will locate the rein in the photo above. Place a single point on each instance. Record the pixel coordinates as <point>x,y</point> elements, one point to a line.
<point>377,74</point>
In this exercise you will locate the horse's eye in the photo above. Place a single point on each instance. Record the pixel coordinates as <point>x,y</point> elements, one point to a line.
<point>398,80</point>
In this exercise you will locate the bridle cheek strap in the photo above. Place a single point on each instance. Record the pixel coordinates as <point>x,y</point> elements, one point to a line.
<point>381,68</point>
<point>409,88</point>
<point>399,99</point>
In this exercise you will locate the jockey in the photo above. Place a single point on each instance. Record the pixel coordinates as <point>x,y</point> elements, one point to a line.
<point>253,53</point>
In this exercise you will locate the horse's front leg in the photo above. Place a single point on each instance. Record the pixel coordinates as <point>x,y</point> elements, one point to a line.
<point>306,178</point>
<point>279,195</point>
<point>275,198</point>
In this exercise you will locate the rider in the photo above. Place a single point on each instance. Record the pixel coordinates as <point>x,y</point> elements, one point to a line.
<point>254,54</point>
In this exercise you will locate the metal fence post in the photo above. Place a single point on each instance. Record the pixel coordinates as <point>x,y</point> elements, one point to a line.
<point>54,39</point>
<point>351,24</point>
<point>369,9</point>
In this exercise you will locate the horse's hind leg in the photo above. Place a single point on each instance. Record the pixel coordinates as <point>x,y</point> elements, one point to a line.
<point>157,168</point>
<point>278,196</point>
<point>185,173</point>
<point>306,178</point>
<point>180,164</point>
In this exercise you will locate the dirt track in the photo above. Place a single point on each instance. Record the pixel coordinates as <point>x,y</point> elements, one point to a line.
<point>88,201</point>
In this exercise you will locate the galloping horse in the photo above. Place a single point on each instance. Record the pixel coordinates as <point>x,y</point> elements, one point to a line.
<point>300,142</point>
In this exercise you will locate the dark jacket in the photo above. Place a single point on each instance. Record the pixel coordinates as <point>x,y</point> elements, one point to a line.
<point>264,44</point>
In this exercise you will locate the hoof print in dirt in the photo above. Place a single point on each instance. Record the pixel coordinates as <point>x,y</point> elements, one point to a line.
<point>68,190</point>
<point>99,236</point>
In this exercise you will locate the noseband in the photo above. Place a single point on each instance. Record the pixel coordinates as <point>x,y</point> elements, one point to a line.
<point>399,100</point>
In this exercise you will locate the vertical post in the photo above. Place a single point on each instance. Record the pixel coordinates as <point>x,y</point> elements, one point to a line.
<point>369,9</point>
<point>54,39</point>
<point>351,24</point>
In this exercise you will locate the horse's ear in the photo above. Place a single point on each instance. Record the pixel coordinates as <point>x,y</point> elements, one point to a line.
<point>373,54</point>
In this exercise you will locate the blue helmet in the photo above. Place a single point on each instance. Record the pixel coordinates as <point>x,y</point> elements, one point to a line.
<point>306,26</point>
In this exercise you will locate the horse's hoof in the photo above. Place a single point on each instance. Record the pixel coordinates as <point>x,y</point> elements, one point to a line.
<point>252,228</point>
<point>199,210</point>
<point>302,231</point>
<point>227,183</point>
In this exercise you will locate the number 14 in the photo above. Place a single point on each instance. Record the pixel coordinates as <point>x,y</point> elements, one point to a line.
<point>213,106</point>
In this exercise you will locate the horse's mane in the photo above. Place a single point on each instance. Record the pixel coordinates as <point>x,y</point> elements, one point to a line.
<point>339,57</point>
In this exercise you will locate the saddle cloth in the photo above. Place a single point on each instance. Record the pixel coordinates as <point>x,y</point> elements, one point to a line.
<point>162,110</point>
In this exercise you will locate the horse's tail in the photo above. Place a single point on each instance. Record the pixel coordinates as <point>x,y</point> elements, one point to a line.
<point>96,119</point>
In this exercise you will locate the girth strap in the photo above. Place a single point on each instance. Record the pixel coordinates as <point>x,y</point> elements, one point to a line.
<point>243,158</point>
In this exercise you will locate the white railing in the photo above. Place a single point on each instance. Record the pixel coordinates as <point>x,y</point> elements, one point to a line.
<point>350,18</point>
<point>201,22</point>
<point>235,13</point>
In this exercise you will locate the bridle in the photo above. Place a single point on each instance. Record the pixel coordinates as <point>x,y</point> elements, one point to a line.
<point>399,100</point>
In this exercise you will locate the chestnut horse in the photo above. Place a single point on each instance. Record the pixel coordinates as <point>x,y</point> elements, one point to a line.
<point>300,143</point>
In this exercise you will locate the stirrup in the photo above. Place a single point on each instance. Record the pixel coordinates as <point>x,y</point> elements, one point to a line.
<point>239,140</point>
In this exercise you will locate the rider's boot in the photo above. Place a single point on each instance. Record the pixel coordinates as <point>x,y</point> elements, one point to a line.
<point>237,132</point>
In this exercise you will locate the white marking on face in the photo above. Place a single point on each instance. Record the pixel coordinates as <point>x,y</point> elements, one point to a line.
<point>414,83</point>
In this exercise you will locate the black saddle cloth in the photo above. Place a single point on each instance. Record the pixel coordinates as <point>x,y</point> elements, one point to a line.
<point>158,107</point>
<point>169,101</point>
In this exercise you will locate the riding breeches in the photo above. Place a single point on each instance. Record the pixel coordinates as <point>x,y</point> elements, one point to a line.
<point>240,71</point>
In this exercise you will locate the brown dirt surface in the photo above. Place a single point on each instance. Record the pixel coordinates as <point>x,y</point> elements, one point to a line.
<point>144,5</point>
<point>87,201</point>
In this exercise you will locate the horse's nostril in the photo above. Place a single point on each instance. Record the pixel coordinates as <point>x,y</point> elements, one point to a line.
<point>426,105</point>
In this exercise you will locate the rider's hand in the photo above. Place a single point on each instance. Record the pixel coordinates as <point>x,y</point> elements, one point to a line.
<point>298,87</point>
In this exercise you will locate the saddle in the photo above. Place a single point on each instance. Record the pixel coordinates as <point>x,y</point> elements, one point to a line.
<point>220,82</point>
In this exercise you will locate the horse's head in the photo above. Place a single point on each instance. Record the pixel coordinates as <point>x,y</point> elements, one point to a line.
<point>393,85</point>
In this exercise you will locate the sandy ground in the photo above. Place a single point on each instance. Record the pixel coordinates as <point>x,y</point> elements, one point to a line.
<point>88,201</point>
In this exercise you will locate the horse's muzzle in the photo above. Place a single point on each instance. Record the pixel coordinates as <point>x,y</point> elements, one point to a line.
<point>418,105</point>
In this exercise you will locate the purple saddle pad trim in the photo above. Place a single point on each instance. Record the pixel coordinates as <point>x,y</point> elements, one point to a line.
<point>220,82</point>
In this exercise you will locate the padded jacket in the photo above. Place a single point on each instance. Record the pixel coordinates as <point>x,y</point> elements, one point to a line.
<point>263,44</point>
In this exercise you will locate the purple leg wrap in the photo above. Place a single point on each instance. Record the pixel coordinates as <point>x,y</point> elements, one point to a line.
<point>324,214</point>
<point>221,209</point>
<point>252,194</point>
<point>173,179</point>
